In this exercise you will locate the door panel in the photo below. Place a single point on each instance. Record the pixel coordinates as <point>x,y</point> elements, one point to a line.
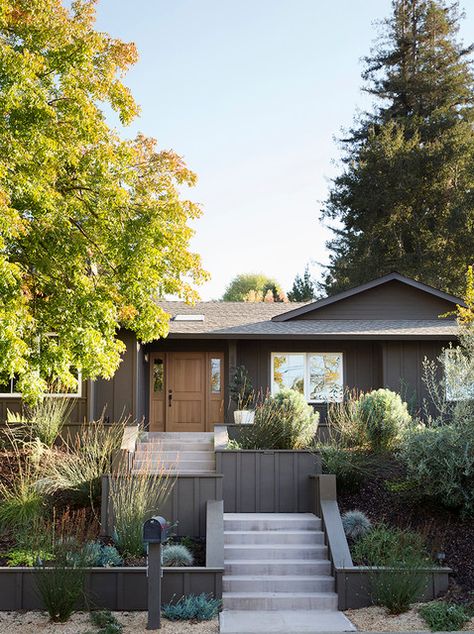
<point>186,392</point>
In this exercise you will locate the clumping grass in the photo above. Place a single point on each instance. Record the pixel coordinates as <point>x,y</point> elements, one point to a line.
<point>442,616</point>
<point>398,585</point>
<point>135,497</point>
<point>385,546</point>
<point>192,607</point>
<point>78,469</point>
<point>177,555</point>
<point>356,524</point>
<point>61,586</point>
<point>21,503</point>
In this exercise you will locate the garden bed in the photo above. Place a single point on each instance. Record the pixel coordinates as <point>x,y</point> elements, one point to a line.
<point>445,531</point>
<point>79,623</point>
<point>377,619</point>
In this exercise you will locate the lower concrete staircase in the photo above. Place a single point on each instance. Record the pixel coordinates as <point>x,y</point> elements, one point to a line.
<point>277,575</point>
<point>175,452</point>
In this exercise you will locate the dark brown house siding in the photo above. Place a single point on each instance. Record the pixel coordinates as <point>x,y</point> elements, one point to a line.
<point>392,300</point>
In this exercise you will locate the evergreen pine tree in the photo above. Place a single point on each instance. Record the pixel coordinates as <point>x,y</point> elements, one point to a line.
<point>405,198</point>
<point>303,288</point>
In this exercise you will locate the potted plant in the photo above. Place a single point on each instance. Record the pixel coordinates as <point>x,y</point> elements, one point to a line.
<point>242,394</point>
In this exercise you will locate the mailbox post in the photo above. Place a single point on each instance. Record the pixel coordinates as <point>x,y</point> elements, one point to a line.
<point>154,533</point>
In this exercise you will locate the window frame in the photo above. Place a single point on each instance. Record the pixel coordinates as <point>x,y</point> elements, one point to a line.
<point>306,371</point>
<point>77,394</point>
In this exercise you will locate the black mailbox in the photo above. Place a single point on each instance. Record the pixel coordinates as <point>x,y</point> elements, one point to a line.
<point>155,530</point>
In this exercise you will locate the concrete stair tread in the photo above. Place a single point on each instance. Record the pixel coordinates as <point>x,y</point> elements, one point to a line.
<point>295,531</point>
<point>266,516</point>
<point>304,547</point>
<point>283,621</point>
<point>276,577</point>
<point>277,595</point>
<point>265,562</point>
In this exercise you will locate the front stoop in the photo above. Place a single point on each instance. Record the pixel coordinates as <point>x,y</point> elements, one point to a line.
<point>283,622</point>
<point>175,452</point>
<point>277,575</point>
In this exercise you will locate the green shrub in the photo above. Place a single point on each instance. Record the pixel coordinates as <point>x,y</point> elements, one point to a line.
<point>135,497</point>
<point>439,463</point>
<point>61,587</point>
<point>398,585</point>
<point>384,417</point>
<point>350,466</point>
<point>283,421</point>
<point>106,622</point>
<point>177,555</point>
<point>444,617</point>
<point>200,607</point>
<point>344,424</point>
<point>384,546</point>
<point>356,524</point>
<point>29,558</point>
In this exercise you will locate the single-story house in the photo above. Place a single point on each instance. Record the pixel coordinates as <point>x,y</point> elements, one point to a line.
<point>374,335</point>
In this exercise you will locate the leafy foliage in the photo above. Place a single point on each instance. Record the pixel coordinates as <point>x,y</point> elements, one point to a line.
<point>93,554</point>
<point>283,421</point>
<point>385,546</point>
<point>177,555</point>
<point>442,616</point>
<point>351,466</point>
<point>106,622</point>
<point>192,607</point>
<point>241,389</point>
<point>29,558</point>
<point>396,203</point>
<point>384,417</point>
<point>93,228</point>
<point>356,524</point>
<point>303,289</point>
<point>253,287</point>
<point>439,463</point>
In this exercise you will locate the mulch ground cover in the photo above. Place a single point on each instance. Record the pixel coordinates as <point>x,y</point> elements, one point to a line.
<point>445,530</point>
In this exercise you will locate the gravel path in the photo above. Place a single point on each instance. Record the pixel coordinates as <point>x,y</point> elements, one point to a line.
<point>38,623</point>
<point>376,619</point>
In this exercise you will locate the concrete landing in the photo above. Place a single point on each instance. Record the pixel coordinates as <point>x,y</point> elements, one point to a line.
<point>283,622</point>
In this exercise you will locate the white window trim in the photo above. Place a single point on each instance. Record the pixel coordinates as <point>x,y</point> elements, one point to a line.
<point>306,371</point>
<point>77,394</point>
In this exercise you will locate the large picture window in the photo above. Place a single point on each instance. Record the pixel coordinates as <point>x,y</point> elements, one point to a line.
<point>10,389</point>
<point>317,375</point>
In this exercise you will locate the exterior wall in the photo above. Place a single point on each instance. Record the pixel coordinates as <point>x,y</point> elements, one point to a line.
<point>403,367</point>
<point>392,300</point>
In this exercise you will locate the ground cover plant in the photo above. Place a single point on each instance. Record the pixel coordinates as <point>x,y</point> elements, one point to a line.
<point>192,607</point>
<point>442,616</point>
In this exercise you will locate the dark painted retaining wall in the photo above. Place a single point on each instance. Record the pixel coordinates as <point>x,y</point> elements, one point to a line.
<point>186,505</point>
<point>267,481</point>
<point>111,588</point>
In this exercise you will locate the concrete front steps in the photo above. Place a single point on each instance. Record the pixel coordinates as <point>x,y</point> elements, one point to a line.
<point>276,561</point>
<point>277,576</point>
<point>175,452</point>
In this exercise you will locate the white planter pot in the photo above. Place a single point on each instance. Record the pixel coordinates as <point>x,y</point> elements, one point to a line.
<point>244,416</point>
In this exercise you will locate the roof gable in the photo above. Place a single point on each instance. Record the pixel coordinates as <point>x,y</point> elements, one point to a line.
<point>392,296</point>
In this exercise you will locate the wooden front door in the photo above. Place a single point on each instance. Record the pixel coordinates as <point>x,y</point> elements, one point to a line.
<point>186,391</point>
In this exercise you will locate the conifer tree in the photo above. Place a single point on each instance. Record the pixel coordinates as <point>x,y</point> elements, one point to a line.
<point>303,288</point>
<point>405,198</point>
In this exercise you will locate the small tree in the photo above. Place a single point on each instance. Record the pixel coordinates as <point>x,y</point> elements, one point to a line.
<point>253,287</point>
<point>303,289</point>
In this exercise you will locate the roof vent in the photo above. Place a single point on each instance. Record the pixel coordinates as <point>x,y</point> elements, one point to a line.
<point>188,317</point>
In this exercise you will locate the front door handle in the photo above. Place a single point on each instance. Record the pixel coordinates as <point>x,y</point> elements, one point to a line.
<point>170,397</point>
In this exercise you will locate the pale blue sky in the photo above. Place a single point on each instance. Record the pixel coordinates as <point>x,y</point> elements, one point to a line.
<point>251,93</point>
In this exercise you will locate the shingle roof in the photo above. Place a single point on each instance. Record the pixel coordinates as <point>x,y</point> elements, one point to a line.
<point>254,320</point>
